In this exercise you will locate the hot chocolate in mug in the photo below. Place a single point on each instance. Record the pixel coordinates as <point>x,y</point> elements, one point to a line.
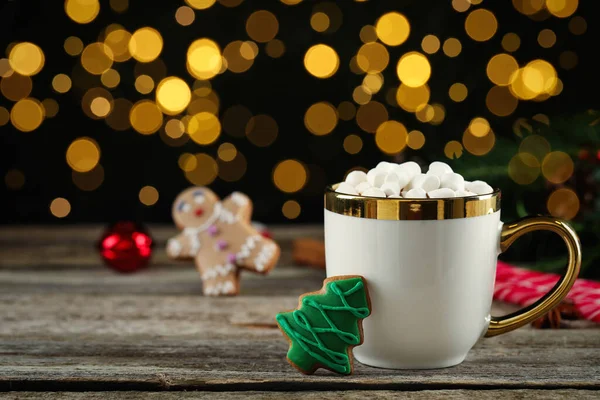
<point>430,265</point>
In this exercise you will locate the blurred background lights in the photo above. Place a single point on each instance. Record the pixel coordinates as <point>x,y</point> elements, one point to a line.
<point>360,95</point>
<point>290,176</point>
<point>148,195</point>
<point>5,68</point>
<point>227,151</point>
<point>563,203</point>
<point>97,58</point>
<point>291,209</point>
<point>187,162</point>
<point>144,84</point>
<point>557,167</point>
<point>60,207</point>
<point>145,117</point>
<point>391,137</point>
<point>368,34</point>
<point>145,44</point>
<point>536,145</point>
<point>26,58</point>
<point>185,16</point>
<point>523,168</point>
<point>118,119</point>
<point>321,61</point>
<point>118,42</point>
<point>4,116</point>
<point>110,78</point>
<point>200,4</point>
<point>500,101</point>
<point>97,103</point>
<point>413,69</point>
<point>27,114</point>
<point>234,169</point>
<point>321,118</point>
<point>416,140</point>
<point>119,6</point>
<point>173,95</point>
<point>430,44</point>
<point>370,116</point>
<point>82,11</point>
<point>346,110</point>
<point>204,128</point>
<point>239,55</point>
<point>275,48</point>
<point>14,179</point>
<point>511,42</point>
<point>452,47</point>
<point>577,25</point>
<point>83,154</point>
<point>73,46</point>
<point>461,5</point>
<point>88,181</point>
<point>353,144</point>
<point>562,8</point>
<point>453,149</point>
<point>319,21</point>
<point>204,172</point>
<point>100,106</point>
<point>458,92</point>
<point>262,26</point>
<point>528,7</point>
<point>372,83</point>
<point>501,68</point>
<point>476,145</point>
<point>479,127</point>
<point>261,130</point>
<point>546,38</point>
<point>204,59</point>
<point>16,86</point>
<point>372,57</point>
<point>174,128</point>
<point>481,25</point>
<point>392,28</point>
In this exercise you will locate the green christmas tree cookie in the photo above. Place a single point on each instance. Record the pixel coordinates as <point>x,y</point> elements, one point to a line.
<point>327,325</point>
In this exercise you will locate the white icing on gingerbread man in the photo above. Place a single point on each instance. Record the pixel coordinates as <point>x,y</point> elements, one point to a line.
<point>219,236</point>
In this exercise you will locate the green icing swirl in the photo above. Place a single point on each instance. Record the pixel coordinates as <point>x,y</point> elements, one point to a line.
<point>318,309</point>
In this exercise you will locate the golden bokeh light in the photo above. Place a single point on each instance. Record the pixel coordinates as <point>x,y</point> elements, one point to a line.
<point>501,68</point>
<point>174,128</point>
<point>562,8</point>
<point>97,103</point>
<point>200,4</point>
<point>82,11</point>
<point>439,114</point>
<point>458,92</point>
<point>14,179</point>
<point>262,26</point>
<point>275,48</point>
<point>185,16</point>
<point>353,144</point>
<point>118,42</point>
<point>234,170</point>
<point>204,59</point>
<point>88,181</point>
<point>425,114</point>
<point>118,119</point>
<point>412,99</point>
<point>511,42</point>
<point>227,151</point>
<point>563,203</point>
<point>321,118</point>
<point>119,6</point>
<point>416,140</point>
<point>568,60</point>
<point>539,77</point>
<point>528,7</point>
<point>368,34</point>
<point>346,110</point>
<point>291,2</point>
<point>100,107</point>
<point>413,69</point>
<point>479,127</point>
<point>148,195</point>
<point>392,28</point>
<point>372,57</point>
<point>173,95</point>
<point>453,149</point>
<point>230,3</point>
<point>187,162</point>
<point>523,168</point>
<point>73,46</point>
<point>478,146</point>
<point>391,137</point>
<point>204,128</point>
<point>481,25</point>
<point>557,167</point>
<point>546,38</point>
<point>543,118</point>
<point>452,47</point>
<point>290,176</point>
<point>430,44</point>
<point>461,5</point>
<point>16,87</point>
<point>144,84</point>
<point>370,116</point>
<point>145,117</point>
<point>321,61</point>
<point>5,69</point>
<point>4,116</point>
<point>262,130</point>
<point>83,154</point>
<point>110,78</point>
<point>145,44</point>
<point>373,83</point>
<point>235,119</point>
<point>249,50</point>
<point>60,207</point>
<point>500,101</point>
<point>97,58</point>
<point>204,172</point>
<point>27,114</point>
<point>291,209</point>
<point>360,95</point>
<point>239,56</point>
<point>319,21</point>
<point>577,25</point>
<point>26,58</point>
<point>536,145</point>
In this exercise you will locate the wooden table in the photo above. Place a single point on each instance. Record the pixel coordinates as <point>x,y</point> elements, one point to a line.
<point>68,324</point>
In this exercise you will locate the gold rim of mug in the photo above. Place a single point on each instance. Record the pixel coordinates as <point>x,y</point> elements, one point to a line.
<point>411,209</point>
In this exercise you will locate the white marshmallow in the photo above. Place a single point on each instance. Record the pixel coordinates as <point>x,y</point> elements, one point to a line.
<point>373,192</point>
<point>439,168</point>
<point>390,188</point>
<point>417,193</point>
<point>479,187</point>
<point>425,182</point>
<point>346,188</point>
<point>395,196</point>
<point>402,174</point>
<point>361,187</point>
<point>391,177</point>
<point>356,177</point>
<point>441,193</point>
<point>452,181</point>
<point>464,193</point>
<point>385,166</point>
<point>411,169</point>
<point>376,177</point>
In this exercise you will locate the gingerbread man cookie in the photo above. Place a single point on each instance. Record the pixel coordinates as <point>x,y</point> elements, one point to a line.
<point>219,236</point>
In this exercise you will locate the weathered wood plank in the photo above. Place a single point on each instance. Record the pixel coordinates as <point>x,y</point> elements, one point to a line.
<point>530,394</point>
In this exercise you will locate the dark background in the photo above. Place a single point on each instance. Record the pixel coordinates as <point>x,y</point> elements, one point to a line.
<point>281,88</point>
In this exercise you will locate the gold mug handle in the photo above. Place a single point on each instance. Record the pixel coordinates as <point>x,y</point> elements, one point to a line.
<point>510,233</point>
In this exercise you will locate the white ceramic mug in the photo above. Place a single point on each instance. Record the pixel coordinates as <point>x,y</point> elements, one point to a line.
<point>430,266</point>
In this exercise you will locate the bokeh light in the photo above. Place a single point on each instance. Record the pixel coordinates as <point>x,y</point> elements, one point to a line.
<point>97,58</point>
<point>458,92</point>
<point>478,146</point>
<point>392,28</point>
<point>562,8</point>
<point>391,137</point>
<point>368,34</point>
<point>577,25</point>
<point>200,4</point>
<point>370,116</point>
<point>73,46</point>
<point>563,203</point>
<point>360,95</point>
<point>461,5</point>
<point>119,6</point>
<point>523,168</point>
<point>148,195</point>
<point>500,101</point>
<point>145,44</point>
<point>290,176</point>
<point>232,170</point>
<point>321,118</point>
<point>145,117</point>
<point>479,127</point>
<point>83,154</point>
<point>557,167</point>
<point>511,42</point>
<point>14,179</point>
<point>26,58</point>
<point>319,21</point>
<point>82,11</point>
<point>100,107</point>
<point>88,181</point>
<point>372,57</point>
<point>535,145</point>
<point>416,140</point>
<point>346,110</point>
<point>481,25</point>
<point>204,172</point>
<point>412,99</point>
<point>27,114</point>
<point>321,61</point>
<point>204,128</point>
<point>144,84</point>
<point>546,38</point>
<point>16,86</point>
<point>110,78</point>
<point>185,16</point>
<point>204,59</point>
<point>275,48</point>
<point>291,209</point>
<point>262,26</point>
<point>239,55</point>
<point>430,44</point>
<point>97,103</point>
<point>118,42</point>
<point>60,207</point>
<point>353,144</point>
<point>118,119</point>
<point>501,68</point>
<point>453,149</point>
<point>372,83</point>
<point>227,151</point>
<point>452,47</point>
<point>173,95</point>
<point>413,69</point>
<point>261,130</point>
<point>4,116</point>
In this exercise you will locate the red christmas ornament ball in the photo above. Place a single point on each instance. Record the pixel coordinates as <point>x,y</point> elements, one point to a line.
<point>126,246</point>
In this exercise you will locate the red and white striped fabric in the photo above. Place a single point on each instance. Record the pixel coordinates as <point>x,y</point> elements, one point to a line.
<point>523,287</point>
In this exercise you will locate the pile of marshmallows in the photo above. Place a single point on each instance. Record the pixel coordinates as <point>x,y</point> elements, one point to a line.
<point>407,181</point>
